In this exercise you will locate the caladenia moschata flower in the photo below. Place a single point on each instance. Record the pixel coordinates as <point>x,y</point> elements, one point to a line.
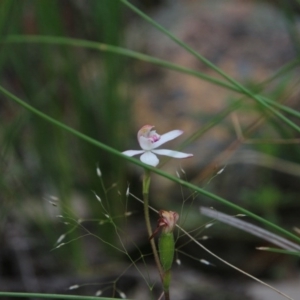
<point>149,140</point>
<point>166,245</point>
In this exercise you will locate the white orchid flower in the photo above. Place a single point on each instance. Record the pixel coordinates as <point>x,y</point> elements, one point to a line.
<point>149,140</point>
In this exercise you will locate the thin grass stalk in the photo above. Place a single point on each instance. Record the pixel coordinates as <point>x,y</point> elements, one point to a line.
<point>52,296</point>
<point>235,83</point>
<point>146,58</point>
<point>281,251</point>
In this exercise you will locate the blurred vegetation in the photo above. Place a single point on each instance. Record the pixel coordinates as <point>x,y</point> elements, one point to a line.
<point>91,92</point>
<point>85,89</point>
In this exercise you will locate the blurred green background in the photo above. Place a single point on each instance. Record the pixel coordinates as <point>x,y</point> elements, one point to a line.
<point>85,89</point>
<point>97,93</point>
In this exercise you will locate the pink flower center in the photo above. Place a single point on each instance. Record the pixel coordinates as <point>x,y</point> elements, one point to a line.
<point>147,137</point>
<point>153,137</point>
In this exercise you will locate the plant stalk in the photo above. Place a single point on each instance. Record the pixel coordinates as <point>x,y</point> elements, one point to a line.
<point>146,185</point>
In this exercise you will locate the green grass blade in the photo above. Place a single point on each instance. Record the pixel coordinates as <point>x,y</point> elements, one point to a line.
<point>54,40</point>
<point>139,163</point>
<point>239,86</point>
<point>51,296</point>
<point>276,250</point>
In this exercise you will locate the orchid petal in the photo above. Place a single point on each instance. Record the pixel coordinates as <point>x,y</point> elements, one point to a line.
<point>145,143</point>
<point>171,135</point>
<point>149,159</point>
<point>144,131</point>
<point>133,152</point>
<point>167,220</point>
<point>171,153</point>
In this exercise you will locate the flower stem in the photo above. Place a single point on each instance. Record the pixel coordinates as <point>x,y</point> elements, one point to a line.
<point>166,283</point>
<point>146,184</point>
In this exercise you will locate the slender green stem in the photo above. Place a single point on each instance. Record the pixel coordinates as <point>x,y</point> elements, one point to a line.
<point>167,278</point>
<point>146,185</point>
<point>282,251</point>
<point>66,41</point>
<point>165,275</point>
<point>51,296</point>
<point>55,40</point>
